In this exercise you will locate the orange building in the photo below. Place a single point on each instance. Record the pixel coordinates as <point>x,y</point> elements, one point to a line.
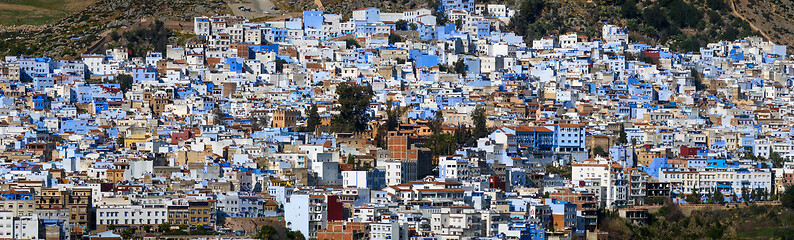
<point>399,144</point>
<point>406,146</point>
<point>586,203</point>
<point>341,230</point>
<point>285,118</point>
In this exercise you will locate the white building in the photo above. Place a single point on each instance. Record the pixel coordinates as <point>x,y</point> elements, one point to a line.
<point>614,34</point>
<point>605,176</point>
<point>201,26</point>
<point>729,181</point>
<point>130,215</point>
<point>26,227</point>
<point>455,168</point>
<point>398,172</point>
<point>374,179</point>
<point>306,213</point>
<point>7,224</point>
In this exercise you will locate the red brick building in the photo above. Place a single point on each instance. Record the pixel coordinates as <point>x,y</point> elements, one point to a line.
<point>341,230</point>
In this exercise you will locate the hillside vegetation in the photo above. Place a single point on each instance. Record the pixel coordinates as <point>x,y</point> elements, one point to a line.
<point>737,222</point>
<point>684,25</point>
<point>72,35</point>
<point>680,24</point>
<point>38,12</point>
<point>345,7</point>
<point>771,17</point>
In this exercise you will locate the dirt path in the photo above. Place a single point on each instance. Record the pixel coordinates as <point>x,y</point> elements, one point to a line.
<point>319,4</point>
<point>737,14</point>
<point>263,5</point>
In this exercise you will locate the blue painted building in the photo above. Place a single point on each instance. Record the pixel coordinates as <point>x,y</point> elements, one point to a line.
<point>426,61</point>
<point>313,19</point>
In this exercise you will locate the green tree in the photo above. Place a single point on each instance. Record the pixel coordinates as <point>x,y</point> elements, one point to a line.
<point>366,166</point>
<point>714,17</point>
<point>629,9</point>
<point>478,118</point>
<point>295,235</point>
<point>622,136</point>
<point>462,136</point>
<point>353,103</point>
<point>266,233</point>
<point>127,233</point>
<point>460,67</point>
<point>760,194</point>
<point>654,16</point>
<point>753,194</point>
<point>352,43</point>
<point>529,12</point>
<point>787,197</point>
<point>441,144</point>
<point>564,170</point>
<point>153,38</point>
<point>699,86</point>
<point>312,119</point>
<point>164,227</point>
<point>124,81</point>
<point>693,198</point>
<point>776,159</point>
<point>690,44</point>
<point>437,122</point>
<point>716,232</point>
<point>682,13</point>
<point>718,197</point>
<point>200,230</point>
<point>351,159</point>
<point>381,137</point>
<point>394,38</point>
<point>716,4</point>
<point>393,115</point>
<point>435,7</point>
<point>147,228</point>
<point>599,151</point>
<point>401,25</point>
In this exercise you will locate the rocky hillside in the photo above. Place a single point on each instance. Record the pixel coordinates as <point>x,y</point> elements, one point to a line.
<point>684,25</point>
<point>773,18</point>
<point>70,36</point>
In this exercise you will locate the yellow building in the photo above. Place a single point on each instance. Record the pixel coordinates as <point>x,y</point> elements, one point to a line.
<point>135,138</point>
